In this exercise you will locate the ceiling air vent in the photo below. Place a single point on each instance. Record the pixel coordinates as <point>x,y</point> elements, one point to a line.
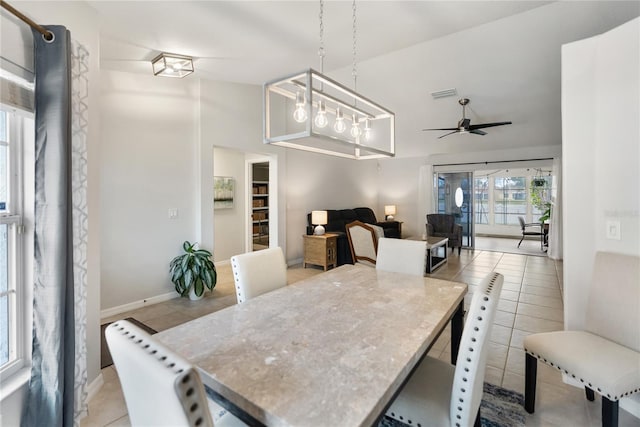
<point>444,93</point>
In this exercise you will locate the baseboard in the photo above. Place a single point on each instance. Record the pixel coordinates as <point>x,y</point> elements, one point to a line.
<point>108,312</point>
<point>94,387</point>
<point>293,262</point>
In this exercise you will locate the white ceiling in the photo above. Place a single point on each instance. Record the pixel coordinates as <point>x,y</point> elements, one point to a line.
<point>503,55</point>
<point>256,41</point>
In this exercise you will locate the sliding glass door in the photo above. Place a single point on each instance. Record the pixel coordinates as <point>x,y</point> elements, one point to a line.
<point>455,196</point>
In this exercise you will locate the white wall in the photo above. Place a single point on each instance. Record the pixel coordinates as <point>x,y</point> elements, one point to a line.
<point>148,155</point>
<point>399,184</point>
<point>230,224</point>
<point>231,117</point>
<point>318,182</point>
<point>601,156</point>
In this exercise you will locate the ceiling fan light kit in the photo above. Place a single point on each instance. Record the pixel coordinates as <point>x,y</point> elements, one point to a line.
<point>312,112</point>
<point>170,65</point>
<point>465,126</point>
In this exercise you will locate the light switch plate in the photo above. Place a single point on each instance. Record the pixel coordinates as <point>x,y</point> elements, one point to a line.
<point>613,230</point>
<point>173,213</point>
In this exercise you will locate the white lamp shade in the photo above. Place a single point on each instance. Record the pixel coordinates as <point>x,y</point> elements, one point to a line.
<point>318,217</point>
<point>390,210</point>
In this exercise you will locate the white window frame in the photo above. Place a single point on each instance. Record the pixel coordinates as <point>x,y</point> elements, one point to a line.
<point>20,252</point>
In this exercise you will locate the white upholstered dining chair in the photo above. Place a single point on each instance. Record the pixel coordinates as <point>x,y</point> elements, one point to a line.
<point>605,356</point>
<point>160,388</point>
<point>402,256</point>
<point>259,272</point>
<point>363,241</point>
<point>439,394</point>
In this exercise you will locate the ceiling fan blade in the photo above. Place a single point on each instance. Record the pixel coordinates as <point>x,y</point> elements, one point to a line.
<point>442,129</point>
<point>447,134</point>
<point>477,132</point>
<point>488,125</point>
<point>464,123</point>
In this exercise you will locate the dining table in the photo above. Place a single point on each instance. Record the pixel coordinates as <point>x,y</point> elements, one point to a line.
<point>330,350</point>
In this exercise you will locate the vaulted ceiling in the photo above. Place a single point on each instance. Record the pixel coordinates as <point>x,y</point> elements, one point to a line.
<point>503,55</point>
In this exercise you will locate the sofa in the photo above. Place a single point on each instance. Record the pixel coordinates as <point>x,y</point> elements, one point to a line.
<point>338,219</point>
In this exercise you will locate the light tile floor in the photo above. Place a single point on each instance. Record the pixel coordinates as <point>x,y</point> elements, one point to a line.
<point>530,302</point>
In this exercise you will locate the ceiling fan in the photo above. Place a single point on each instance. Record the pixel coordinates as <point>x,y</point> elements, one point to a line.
<point>465,126</point>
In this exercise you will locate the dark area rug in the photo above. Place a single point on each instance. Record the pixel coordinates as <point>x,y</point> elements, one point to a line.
<point>499,408</point>
<point>105,356</point>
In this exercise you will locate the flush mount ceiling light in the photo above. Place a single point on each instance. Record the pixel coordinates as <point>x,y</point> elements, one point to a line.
<point>169,65</point>
<point>309,111</point>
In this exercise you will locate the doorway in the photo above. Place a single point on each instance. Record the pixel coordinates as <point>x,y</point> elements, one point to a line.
<point>455,196</point>
<point>260,203</point>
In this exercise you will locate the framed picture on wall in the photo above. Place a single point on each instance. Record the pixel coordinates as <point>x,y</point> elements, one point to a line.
<point>223,191</point>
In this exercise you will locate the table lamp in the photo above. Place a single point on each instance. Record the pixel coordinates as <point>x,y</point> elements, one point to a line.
<point>318,218</point>
<point>389,212</point>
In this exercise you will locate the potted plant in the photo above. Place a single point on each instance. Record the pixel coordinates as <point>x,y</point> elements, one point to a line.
<point>546,214</point>
<point>540,194</point>
<point>192,271</point>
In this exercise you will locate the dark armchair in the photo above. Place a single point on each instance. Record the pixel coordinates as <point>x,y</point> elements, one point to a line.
<point>444,225</point>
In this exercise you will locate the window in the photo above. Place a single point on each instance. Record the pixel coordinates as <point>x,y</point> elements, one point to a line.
<point>510,199</point>
<point>481,198</point>
<point>11,246</point>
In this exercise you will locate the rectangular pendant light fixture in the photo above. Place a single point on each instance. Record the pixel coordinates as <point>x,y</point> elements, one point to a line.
<point>309,111</point>
<point>170,65</point>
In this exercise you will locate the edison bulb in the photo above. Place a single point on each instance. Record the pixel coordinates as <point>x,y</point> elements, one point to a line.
<point>300,113</point>
<point>321,116</point>
<point>339,126</point>
<point>355,126</point>
<point>367,129</point>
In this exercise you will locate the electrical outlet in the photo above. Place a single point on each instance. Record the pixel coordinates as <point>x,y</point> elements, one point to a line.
<point>173,213</point>
<point>613,230</point>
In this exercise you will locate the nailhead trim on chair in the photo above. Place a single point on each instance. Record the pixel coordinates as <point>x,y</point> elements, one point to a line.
<point>236,280</point>
<point>479,319</point>
<point>598,389</point>
<point>185,385</point>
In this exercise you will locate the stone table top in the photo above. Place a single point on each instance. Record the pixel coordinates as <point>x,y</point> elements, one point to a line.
<point>330,350</point>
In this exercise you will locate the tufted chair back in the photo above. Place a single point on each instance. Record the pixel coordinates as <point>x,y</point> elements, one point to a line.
<point>468,379</point>
<point>256,273</point>
<point>160,388</point>
<point>439,394</point>
<point>402,256</point>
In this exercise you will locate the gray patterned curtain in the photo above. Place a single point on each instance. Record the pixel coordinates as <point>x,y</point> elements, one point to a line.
<point>79,129</point>
<point>50,399</point>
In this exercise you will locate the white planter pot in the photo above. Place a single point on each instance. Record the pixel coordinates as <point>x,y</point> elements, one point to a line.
<point>193,296</point>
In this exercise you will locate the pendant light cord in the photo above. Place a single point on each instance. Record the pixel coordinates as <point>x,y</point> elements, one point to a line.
<point>321,49</point>
<point>354,72</point>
